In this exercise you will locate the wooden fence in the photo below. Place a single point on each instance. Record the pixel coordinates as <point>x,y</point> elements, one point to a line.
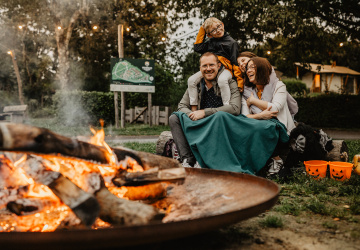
<point>160,115</point>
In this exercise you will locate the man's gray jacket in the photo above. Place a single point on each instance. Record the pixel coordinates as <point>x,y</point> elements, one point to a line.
<point>233,108</point>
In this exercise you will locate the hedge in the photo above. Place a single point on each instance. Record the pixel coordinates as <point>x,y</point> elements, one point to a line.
<point>331,111</point>
<point>83,107</point>
<point>295,87</point>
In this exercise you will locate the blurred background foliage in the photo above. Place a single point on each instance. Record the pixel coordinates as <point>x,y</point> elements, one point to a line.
<point>293,30</point>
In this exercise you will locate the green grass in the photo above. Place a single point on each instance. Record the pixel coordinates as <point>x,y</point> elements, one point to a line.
<point>354,148</point>
<point>272,221</point>
<point>130,129</point>
<point>145,147</point>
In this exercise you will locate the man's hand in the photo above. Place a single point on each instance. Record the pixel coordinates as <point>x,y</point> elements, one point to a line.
<point>267,114</point>
<point>197,115</point>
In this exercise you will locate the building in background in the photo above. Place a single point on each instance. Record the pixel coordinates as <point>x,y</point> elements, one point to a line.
<point>324,78</point>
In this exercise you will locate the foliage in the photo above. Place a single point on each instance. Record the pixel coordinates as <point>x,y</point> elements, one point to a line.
<point>77,49</point>
<point>272,221</point>
<point>144,147</point>
<point>293,30</point>
<point>295,87</point>
<point>330,111</point>
<point>354,148</point>
<point>83,107</point>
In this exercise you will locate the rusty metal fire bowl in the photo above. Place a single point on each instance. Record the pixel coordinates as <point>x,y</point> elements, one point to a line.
<point>207,200</point>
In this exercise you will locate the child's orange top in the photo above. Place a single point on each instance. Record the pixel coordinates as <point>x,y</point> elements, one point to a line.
<point>226,48</point>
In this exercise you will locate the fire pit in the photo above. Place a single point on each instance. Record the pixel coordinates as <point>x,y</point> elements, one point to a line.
<point>206,200</point>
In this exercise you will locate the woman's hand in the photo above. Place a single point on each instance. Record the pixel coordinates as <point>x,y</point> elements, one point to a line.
<point>249,101</point>
<point>266,114</point>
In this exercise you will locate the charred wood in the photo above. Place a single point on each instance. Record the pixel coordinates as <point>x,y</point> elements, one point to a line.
<point>20,137</point>
<point>152,191</point>
<point>152,175</point>
<point>124,212</point>
<point>28,206</point>
<point>83,204</point>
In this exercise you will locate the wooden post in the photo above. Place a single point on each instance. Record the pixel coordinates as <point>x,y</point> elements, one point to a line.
<point>17,73</point>
<point>116,109</point>
<point>122,95</point>
<point>149,108</point>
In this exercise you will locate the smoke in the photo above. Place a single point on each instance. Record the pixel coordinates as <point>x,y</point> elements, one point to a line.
<point>71,100</point>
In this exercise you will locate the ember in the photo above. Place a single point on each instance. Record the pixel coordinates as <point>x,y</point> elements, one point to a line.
<point>44,192</point>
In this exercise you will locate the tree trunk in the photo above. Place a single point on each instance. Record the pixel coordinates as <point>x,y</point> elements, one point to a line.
<point>63,73</point>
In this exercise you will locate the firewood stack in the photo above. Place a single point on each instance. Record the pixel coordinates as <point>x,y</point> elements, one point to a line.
<point>83,176</point>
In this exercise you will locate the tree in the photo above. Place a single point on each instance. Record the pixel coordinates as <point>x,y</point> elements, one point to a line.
<point>294,30</point>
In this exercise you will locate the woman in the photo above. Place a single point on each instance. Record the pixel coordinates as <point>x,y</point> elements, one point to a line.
<point>264,99</point>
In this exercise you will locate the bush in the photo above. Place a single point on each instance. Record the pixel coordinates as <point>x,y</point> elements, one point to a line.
<point>332,111</point>
<point>83,107</point>
<point>295,87</point>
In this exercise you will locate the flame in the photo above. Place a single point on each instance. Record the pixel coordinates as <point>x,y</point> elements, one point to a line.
<point>49,217</point>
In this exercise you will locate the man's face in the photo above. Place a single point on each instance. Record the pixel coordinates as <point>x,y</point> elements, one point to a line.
<point>216,30</point>
<point>209,67</point>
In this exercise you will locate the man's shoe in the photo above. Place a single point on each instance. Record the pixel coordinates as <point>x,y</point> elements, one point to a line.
<point>197,165</point>
<point>187,163</point>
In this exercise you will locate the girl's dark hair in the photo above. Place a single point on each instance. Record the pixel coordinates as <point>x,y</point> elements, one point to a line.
<point>263,71</point>
<point>246,54</point>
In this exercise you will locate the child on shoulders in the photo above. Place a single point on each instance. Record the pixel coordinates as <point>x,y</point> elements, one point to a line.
<point>226,48</point>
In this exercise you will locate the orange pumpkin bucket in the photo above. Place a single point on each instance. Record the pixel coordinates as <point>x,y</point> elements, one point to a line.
<point>340,171</point>
<point>316,168</point>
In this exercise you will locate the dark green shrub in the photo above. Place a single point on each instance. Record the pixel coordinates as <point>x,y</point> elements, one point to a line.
<point>295,87</point>
<point>83,107</point>
<point>331,111</point>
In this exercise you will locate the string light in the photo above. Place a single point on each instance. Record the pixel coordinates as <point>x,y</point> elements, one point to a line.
<point>128,29</point>
<point>163,39</point>
<point>95,27</point>
<point>268,52</point>
<point>20,27</point>
<point>341,44</point>
<point>9,52</point>
<point>59,27</point>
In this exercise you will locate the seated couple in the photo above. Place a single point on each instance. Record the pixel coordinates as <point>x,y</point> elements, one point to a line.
<point>217,135</point>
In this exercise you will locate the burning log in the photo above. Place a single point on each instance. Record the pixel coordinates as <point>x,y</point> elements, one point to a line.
<point>20,137</point>
<point>109,207</point>
<point>28,206</point>
<point>84,205</point>
<point>11,194</point>
<point>148,160</point>
<point>152,191</point>
<point>148,176</point>
<point>124,212</point>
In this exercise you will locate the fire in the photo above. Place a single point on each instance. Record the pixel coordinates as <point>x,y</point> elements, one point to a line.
<point>42,210</point>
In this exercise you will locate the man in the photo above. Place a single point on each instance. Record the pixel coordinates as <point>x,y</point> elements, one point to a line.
<point>210,102</point>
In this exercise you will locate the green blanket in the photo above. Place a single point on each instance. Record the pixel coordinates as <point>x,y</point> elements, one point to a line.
<point>233,143</point>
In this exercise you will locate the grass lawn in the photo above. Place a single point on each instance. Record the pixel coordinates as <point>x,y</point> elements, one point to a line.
<point>130,129</point>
